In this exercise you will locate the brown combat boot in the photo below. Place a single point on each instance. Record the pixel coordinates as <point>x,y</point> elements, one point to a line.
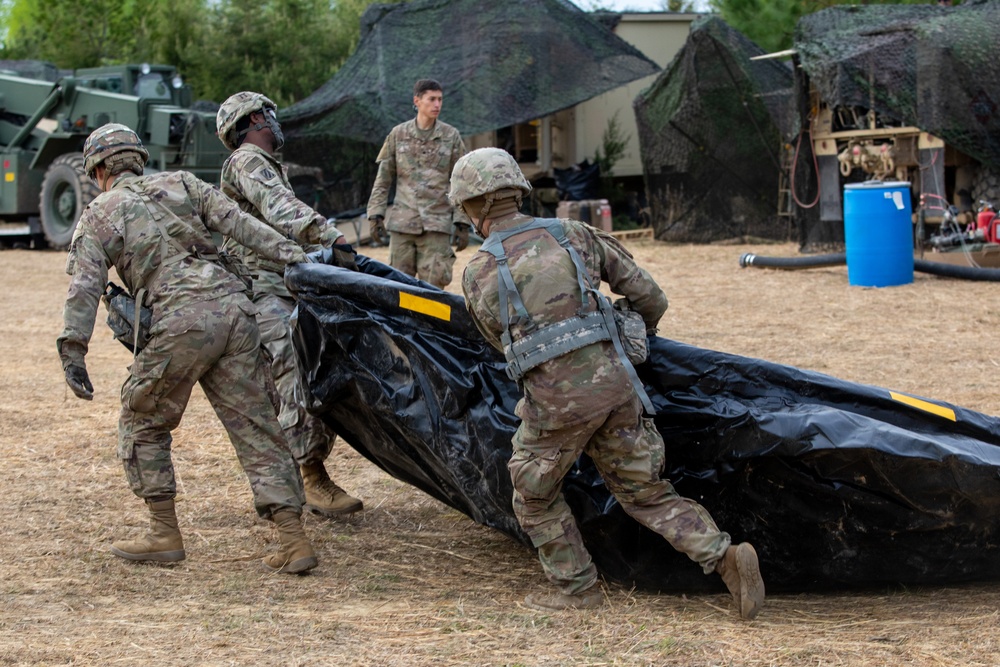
<point>323,496</point>
<point>296,554</point>
<point>163,542</point>
<point>588,599</point>
<point>740,571</point>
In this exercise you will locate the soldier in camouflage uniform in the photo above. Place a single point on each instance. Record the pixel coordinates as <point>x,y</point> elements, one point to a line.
<point>156,231</point>
<point>254,178</point>
<point>420,154</point>
<point>581,400</point>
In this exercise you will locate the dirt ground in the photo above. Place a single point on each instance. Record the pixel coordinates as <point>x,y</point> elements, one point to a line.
<point>410,581</point>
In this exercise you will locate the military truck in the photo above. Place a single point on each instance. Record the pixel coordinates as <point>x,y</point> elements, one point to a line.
<point>45,117</point>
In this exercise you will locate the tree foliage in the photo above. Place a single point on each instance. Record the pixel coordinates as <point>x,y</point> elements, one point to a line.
<point>771,23</point>
<point>284,48</point>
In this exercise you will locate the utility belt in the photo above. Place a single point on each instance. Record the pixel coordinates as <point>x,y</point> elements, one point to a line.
<point>553,341</point>
<point>624,328</point>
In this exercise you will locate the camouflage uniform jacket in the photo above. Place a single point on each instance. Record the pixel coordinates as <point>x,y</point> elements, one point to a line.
<point>117,229</point>
<point>421,162</point>
<point>259,185</point>
<point>570,389</point>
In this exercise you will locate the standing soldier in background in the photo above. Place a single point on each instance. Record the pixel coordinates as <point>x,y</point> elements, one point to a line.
<point>581,393</point>
<point>254,178</point>
<point>419,154</point>
<point>157,232</point>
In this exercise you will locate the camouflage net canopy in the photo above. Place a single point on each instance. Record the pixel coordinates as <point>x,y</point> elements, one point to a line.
<point>936,68</point>
<point>709,134</point>
<point>32,69</point>
<point>500,63</point>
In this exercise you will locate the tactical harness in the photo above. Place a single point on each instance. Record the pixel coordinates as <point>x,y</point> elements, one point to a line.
<point>128,317</point>
<point>585,328</point>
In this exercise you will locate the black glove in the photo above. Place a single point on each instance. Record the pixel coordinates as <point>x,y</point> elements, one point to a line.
<point>342,255</point>
<point>79,382</point>
<point>376,229</point>
<point>461,237</point>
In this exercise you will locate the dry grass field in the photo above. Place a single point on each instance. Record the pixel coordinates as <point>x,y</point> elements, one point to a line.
<point>410,581</point>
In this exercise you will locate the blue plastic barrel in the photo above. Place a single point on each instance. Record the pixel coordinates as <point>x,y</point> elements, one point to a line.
<point>878,232</point>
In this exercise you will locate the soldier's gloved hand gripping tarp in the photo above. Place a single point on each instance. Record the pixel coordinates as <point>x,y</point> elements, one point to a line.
<point>836,484</point>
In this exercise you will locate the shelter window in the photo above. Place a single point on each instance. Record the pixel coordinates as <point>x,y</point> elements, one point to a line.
<point>520,140</point>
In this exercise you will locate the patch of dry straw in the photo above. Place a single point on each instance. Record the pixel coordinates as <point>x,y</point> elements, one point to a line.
<point>410,581</point>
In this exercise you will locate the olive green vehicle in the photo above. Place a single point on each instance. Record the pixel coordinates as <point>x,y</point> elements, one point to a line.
<point>46,115</point>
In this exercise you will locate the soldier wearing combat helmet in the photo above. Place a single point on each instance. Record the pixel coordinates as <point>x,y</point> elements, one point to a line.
<point>156,231</point>
<point>254,178</point>
<point>581,393</point>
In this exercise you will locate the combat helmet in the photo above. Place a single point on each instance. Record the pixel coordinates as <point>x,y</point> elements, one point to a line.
<point>239,106</point>
<point>483,171</point>
<point>492,173</point>
<point>114,139</point>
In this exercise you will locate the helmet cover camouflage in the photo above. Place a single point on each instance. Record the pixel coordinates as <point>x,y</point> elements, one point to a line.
<point>483,171</point>
<point>237,106</point>
<point>109,140</point>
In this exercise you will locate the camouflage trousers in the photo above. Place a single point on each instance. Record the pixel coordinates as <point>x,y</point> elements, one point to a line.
<point>217,345</point>
<point>427,256</point>
<point>629,453</point>
<point>309,439</point>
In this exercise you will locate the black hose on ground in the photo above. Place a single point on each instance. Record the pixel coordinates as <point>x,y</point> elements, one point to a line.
<point>793,263</point>
<point>840,258</point>
<point>956,271</point>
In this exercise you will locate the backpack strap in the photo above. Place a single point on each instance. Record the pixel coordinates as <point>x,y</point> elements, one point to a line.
<point>555,340</point>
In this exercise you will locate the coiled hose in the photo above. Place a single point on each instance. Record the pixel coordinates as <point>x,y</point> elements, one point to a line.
<point>840,258</point>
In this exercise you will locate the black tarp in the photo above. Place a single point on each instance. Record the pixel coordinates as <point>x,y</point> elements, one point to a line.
<point>838,485</point>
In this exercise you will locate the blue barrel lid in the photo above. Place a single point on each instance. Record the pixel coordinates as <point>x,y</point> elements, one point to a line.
<point>877,184</point>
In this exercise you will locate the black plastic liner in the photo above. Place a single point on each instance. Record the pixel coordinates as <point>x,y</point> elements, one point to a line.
<point>838,485</point>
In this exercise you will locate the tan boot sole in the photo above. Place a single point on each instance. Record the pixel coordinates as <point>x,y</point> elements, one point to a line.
<point>156,556</point>
<point>331,513</point>
<point>751,583</point>
<point>297,566</point>
<point>590,599</point>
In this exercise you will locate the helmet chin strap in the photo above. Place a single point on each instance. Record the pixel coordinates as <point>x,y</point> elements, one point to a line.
<point>270,122</point>
<point>496,205</point>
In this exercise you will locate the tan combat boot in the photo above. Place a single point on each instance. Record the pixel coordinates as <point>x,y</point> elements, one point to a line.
<point>296,554</point>
<point>162,544</point>
<point>588,599</point>
<point>740,571</point>
<point>323,496</point>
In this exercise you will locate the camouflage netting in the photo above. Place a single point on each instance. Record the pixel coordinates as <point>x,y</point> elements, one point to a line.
<point>499,64</point>
<point>931,67</point>
<point>710,139</point>
<point>32,69</point>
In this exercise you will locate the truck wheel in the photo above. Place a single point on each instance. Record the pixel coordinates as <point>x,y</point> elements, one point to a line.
<point>66,191</point>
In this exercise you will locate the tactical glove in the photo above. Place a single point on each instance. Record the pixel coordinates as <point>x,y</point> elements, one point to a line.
<point>376,229</point>
<point>79,382</point>
<point>342,255</point>
<point>461,237</point>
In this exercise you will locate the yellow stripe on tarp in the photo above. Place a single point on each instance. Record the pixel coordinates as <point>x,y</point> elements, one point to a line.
<point>419,304</point>
<point>926,406</point>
